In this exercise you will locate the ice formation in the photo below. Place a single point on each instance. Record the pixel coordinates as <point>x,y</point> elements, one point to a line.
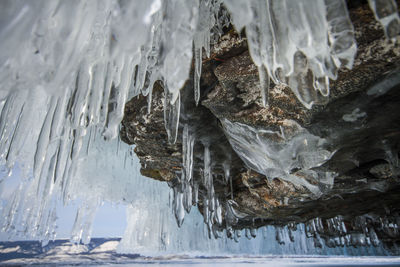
<point>385,12</point>
<point>296,43</point>
<point>278,154</point>
<point>67,69</point>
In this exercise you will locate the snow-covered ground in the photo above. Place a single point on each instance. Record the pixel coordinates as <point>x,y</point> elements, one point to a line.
<point>102,252</point>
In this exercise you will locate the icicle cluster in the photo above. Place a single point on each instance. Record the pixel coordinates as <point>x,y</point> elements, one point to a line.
<point>292,155</point>
<point>62,74</point>
<point>297,43</point>
<point>67,70</point>
<point>186,190</point>
<point>361,231</point>
<point>209,25</point>
<point>337,232</point>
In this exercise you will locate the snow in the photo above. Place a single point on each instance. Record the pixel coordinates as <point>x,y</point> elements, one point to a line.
<point>102,253</point>
<point>9,250</point>
<point>106,247</point>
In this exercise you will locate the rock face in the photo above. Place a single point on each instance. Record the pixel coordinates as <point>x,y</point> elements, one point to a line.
<point>347,163</point>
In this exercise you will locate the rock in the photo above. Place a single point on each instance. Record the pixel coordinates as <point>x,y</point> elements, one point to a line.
<point>357,127</point>
<point>146,131</point>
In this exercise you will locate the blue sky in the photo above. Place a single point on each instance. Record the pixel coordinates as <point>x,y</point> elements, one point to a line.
<point>110,220</point>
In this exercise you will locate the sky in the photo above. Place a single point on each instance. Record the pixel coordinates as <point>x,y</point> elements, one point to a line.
<point>110,219</point>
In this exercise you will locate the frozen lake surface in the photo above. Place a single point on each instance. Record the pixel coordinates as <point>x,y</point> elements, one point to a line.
<point>102,252</point>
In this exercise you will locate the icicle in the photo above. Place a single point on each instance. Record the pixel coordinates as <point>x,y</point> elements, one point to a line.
<point>237,235</point>
<point>343,227</point>
<point>187,197</point>
<point>322,84</point>
<point>187,152</point>
<point>171,116</point>
<point>206,210</point>
<point>141,71</point>
<point>208,10</point>
<point>317,241</point>
<point>318,225</point>
<point>82,226</point>
<point>79,107</point>
<point>195,193</point>
<point>217,234</point>
<point>197,72</point>
<point>96,91</point>
<point>150,97</point>
<point>374,238</point>
<point>291,236</point>
<point>108,84</point>
<point>117,101</point>
<point>179,209</point>
<point>291,228</point>
<point>264,84</point>
<point>211,197</point>
<point>218,213</point>
<point>264,231</point>
<point>247,234</point>
<point>279,235</point>
<point>228,177</point>
<point>385,12</point>
<point>341,36</point>
<point>253,232</point>
<point>207,175</point>
<point>226,167</point>
<point>300,81</point>
<point>231,215</point>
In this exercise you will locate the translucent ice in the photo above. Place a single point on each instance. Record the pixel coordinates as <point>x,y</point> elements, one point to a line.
<point>279,33</point>
<point>290,154</point>
<point>187,152</point>
<point>171,116</point>
<point>385,12</point>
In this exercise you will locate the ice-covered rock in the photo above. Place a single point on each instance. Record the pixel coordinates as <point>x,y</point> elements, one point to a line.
<point>294,164</point>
